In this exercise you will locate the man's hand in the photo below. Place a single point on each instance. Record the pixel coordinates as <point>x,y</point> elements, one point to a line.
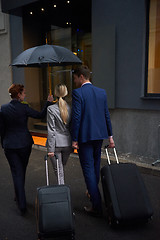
<point>111,142</point>
<point>75,145</point>
<point>51,154</point>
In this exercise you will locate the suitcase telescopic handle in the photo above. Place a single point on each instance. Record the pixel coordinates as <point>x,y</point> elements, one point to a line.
<point>47,171</point>
<point>58,172</point>
<point>115,154</point>
<point>46,164</point>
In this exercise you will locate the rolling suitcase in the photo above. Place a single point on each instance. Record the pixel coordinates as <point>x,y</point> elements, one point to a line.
<point>53,210</point>
<point>125,194</point>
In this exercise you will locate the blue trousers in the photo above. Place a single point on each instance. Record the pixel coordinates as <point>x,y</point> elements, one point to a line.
<point>90,158</point>
<point>18,161</point>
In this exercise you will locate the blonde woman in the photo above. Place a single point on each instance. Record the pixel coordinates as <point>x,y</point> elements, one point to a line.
<point>59,138</point>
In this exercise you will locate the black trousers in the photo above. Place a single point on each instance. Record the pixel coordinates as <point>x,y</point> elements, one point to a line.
<point>18,161</point>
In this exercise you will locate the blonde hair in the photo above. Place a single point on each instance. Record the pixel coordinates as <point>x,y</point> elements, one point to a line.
<point>61,91</point>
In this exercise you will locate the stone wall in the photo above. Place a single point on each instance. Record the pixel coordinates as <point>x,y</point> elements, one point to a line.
<point>5,58</point>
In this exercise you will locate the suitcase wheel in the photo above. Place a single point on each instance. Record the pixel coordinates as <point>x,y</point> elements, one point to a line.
<point>112,221</point>
<point>73,237</point>
<point>40,237</point>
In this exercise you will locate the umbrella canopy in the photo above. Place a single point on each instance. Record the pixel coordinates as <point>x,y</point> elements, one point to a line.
<point>45,55</point>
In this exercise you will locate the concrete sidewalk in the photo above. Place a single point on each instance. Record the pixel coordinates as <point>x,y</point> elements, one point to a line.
<point>15,227</point>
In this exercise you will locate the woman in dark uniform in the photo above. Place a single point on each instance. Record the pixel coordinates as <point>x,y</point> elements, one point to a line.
<point>16,138</point>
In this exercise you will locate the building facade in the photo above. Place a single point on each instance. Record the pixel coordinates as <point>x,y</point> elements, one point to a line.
<point>118,47</point>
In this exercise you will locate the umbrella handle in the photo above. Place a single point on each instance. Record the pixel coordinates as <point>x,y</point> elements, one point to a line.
<point>50,85</point>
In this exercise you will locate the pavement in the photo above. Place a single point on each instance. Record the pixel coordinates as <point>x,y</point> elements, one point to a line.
<point>15,227</point>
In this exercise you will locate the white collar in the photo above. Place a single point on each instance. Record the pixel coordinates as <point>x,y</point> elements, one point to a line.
<point>85,83</point>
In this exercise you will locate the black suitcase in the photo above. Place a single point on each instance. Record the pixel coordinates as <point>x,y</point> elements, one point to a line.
<point>125,194</point>
<point>53,210</point>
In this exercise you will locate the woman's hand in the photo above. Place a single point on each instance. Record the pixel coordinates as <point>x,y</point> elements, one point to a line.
<point>51,154</point>
<point>75,145</point>
<point>50,98</point>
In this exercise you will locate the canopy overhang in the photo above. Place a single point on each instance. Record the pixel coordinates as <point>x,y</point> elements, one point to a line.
<point>10,5</point>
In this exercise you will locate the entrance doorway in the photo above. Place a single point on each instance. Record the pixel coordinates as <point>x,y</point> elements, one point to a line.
<point>61,23</point>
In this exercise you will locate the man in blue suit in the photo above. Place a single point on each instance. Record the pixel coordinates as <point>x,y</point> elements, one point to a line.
<point>90,125</point>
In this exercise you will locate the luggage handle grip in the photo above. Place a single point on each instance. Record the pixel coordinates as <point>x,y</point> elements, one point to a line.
<point>58,177</point>
<point>46,164</point>
<point>115,154</point>
<point>47,172</point>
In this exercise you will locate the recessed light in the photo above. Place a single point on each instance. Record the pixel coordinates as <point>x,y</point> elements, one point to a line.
<point>42,9</point>
<point>31,13</point>
<point>55,5</point>
<point>68,1</point>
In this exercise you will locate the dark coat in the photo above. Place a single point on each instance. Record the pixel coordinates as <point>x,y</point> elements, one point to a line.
<point>13,124</point>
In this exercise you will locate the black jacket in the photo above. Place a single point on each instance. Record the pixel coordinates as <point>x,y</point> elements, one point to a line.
<point>13,124</point>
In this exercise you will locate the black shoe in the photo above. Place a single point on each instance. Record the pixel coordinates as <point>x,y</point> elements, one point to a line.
<point>23,211</point>
<point>93,212</point>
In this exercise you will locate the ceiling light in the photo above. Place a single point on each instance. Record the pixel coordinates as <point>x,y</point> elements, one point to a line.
<point>42,9</point>
<point>55,5</point>
<point>31,13</point>
<point>68,1</point>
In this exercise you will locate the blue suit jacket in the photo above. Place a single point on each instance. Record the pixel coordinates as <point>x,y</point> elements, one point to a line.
<point>90,115</point>
<point>13,124</point>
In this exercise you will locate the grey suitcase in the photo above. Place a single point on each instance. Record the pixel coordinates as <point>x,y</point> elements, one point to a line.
<point>54,210</point>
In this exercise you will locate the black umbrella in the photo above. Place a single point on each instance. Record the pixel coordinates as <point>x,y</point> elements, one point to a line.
<point>46,55</point>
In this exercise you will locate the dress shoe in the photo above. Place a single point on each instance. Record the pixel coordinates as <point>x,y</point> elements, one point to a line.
<point>93,212</point>
<point>23,211</point>
<point>15,199</point>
